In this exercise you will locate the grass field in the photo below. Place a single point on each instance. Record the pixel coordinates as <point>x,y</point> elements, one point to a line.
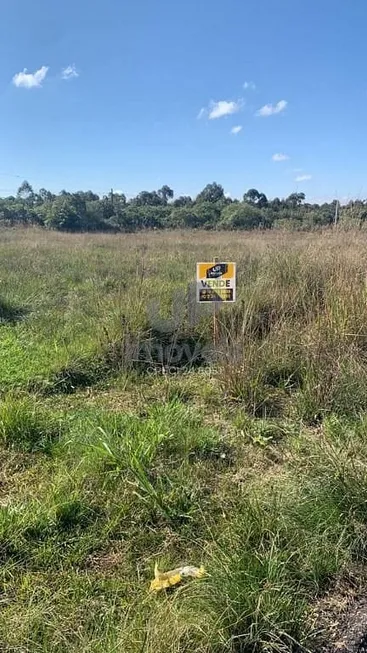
<point>251,462</point>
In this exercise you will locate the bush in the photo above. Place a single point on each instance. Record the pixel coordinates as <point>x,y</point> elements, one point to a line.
<point>241,216</point>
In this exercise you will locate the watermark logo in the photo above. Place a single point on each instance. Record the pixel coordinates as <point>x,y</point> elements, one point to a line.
<point>174,343</point>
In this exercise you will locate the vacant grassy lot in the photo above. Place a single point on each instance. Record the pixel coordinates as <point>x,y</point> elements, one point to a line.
<point>251,462</point>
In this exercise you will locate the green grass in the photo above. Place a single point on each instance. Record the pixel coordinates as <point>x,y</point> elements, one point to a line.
<point>253,464</point>
<point>26,426</point>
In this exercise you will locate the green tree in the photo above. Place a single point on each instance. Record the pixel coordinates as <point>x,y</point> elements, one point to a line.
<point>241,216</point>
<point>63,215</point>
<point>183,200</point>
<point>184,216</point>
<point>87,195</point>
<point>94,216</point>
<point>256,198</point>
<point>144,217</point>
<point>85,210</point>
<point>211,193</point>
<point>165,193</point>
<point>275,204</point>
<point>44,195</point>
<point>208,214</point>
<point>147,198</point>
<point>295,200</point>
<point>25,192</point>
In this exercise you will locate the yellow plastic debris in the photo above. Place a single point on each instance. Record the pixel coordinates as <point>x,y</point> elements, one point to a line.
<point>165,579</point>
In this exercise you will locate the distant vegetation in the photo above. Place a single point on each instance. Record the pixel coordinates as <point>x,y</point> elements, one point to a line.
<point>211,209</point>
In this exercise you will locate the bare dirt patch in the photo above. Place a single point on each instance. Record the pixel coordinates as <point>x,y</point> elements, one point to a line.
<point>340,618</point>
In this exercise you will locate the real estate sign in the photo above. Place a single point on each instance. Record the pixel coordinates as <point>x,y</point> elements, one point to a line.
<point>216,282</point>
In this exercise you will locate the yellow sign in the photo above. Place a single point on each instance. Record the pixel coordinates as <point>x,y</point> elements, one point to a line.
<point>216,282</point>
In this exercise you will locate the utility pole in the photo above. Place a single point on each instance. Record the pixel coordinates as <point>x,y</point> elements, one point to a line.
<point>336,216</point>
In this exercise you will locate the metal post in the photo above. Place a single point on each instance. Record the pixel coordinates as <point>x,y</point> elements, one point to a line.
<point>215,315</point>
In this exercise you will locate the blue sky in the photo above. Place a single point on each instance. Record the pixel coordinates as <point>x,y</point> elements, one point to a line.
<point>134,95</point>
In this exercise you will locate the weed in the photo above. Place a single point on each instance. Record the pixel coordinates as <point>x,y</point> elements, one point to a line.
<point>26,426</point>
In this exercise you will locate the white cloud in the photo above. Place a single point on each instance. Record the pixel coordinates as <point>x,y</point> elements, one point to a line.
<point>280,157</point>
<point>223,108</point>
<point>271,109</point>
<point>303,178</point>
<point>30,80</point>
<point>201,113</point>
<point>236,130</point>
<point>69,72</point>
<point>228,196</point>
<point>249,86</point>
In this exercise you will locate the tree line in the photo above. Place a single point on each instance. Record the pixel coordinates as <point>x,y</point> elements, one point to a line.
<point>159,209</point>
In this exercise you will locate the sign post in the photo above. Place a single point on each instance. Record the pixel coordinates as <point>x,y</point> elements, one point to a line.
<point>215,314</point>
<point>215,283</point>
